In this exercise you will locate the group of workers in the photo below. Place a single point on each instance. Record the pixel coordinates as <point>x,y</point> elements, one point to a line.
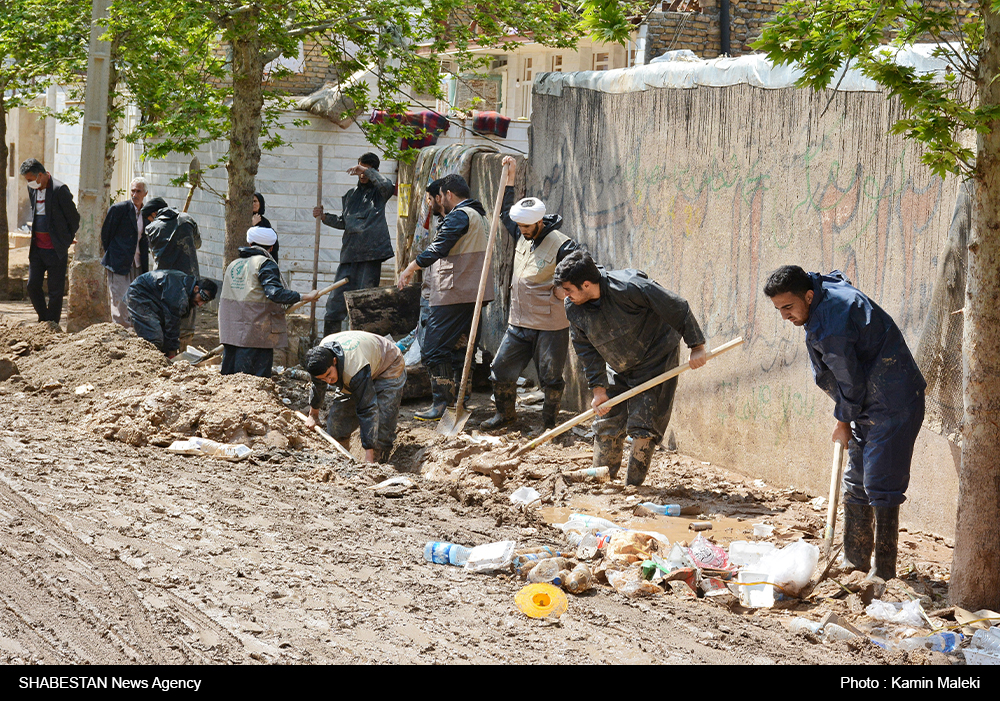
<point>624,327</point>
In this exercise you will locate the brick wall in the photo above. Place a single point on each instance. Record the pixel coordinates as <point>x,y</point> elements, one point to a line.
<point>699,32</point>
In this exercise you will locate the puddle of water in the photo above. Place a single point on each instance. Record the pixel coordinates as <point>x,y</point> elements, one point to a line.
<point>675,528</point>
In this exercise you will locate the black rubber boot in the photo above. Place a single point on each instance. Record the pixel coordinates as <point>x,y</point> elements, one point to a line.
<point>859,536</point>
<point>442,393</point>
<point>886,540</point>
<point>608,452</point>
<point>550,409</point>
<point>639,459</point>
<point>505,397</point>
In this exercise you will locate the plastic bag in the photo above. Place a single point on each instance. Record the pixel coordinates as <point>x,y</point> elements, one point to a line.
<point>906,613</point>
<point>791,567</point>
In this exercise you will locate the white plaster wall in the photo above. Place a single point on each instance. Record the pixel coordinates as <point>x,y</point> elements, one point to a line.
<point>287,180</point>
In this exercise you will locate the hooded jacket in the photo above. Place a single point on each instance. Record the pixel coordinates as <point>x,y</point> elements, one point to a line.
<point>362,217</point>
<point>173,241</point>
<point>159,300</point>
<point>633,327</point>
<point>858,354</point>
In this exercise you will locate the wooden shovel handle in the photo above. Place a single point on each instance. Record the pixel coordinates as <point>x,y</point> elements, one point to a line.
<point>325,291</point>
<point>659,379</point>
<point>328,438</point>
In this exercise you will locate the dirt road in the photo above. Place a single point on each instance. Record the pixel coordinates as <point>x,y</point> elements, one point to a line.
<point>113,550</point>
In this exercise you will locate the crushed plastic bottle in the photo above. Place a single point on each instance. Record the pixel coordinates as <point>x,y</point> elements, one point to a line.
<point>662,509</point>
<point>446,553</point>
<point>942,642</point>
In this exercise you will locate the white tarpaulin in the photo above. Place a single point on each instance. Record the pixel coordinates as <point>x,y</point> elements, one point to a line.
<point>682,69</point>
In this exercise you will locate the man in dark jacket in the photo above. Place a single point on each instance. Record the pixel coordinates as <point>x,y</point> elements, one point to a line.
<point>54,222</point>
<point>173,238</point>
<point>538,327</point>
<point>251,309</point>
<point>126,248</point>
<point>860,359</point>
<point>455,260</point>
<point>369,372</point>
<point>626,330</point>
<point>365,243</point>
<point>158,300</point>
<point>174,241</point>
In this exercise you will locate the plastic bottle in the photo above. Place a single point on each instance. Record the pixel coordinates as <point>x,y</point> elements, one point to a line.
<point>546,571</point>
<point>579,580</point>
<point>942,642</point>
<point>987,640</point>
<point>595,522</point>
<point>446,553</point>
<point>662,509</point>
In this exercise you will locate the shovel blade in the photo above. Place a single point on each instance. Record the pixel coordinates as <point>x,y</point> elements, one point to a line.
<point>451,424</point>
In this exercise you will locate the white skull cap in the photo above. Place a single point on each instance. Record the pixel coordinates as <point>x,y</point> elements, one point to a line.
<point>261,235</point>
<point>528,211</point>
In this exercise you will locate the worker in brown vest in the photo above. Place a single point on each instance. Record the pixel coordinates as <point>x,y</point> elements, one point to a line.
<point>455,264</point>
<point>538,329</point>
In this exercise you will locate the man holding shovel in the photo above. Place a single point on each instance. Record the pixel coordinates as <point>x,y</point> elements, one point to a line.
<point>538,328</point>
<point>369,372</point>
<point>455,260</point>
<point>626,329</point>
<point>860,359</point>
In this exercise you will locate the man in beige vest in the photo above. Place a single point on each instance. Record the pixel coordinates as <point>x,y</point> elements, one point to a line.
<point>538,329</point>
<point>369,373</point>
<point>252,307</point>
<point>455,262</point>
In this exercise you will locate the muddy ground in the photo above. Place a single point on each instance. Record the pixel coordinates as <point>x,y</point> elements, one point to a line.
<point>114,550</point>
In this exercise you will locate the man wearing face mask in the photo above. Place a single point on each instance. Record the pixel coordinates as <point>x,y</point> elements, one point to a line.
<point>54,224</point>
<point>538,328</point>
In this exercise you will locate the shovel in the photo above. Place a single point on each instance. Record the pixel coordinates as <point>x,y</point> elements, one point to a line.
<point>325,291</point>
<point>194,181</point>
<point>515,458</point>
<point>836,475</point>
<point>452,424</point>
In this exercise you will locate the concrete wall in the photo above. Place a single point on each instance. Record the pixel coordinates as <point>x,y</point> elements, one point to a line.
<point>710,189</point>
<point>287,180</point>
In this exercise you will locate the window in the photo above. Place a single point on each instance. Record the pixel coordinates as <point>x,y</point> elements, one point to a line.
<point>601,61</point>
<point>557,63</point>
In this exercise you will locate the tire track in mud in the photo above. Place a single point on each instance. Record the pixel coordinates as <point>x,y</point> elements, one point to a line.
<point>82,607</point>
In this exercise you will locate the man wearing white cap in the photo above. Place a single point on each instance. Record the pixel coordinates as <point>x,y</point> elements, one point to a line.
<point>538,329</point>
<point>251,312</point>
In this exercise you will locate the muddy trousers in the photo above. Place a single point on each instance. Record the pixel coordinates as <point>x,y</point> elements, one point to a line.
<point>343,419</point>
<point>362,275</point>
<point>249,361</point>
<point>644,417</point>
<point>42,263</point>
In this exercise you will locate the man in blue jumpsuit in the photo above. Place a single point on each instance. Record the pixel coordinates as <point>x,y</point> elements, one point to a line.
<point>859,358</point>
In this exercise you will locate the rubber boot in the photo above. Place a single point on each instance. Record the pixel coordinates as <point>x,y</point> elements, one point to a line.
<point>505,397</point>
<point>859,536</point>
<point>442,393</point>
<point>639,459</point>
<point>550,409</point>
<point>608,452</point>
<point>886,540</point>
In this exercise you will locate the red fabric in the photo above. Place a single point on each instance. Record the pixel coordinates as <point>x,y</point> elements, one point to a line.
<point>490,123</point>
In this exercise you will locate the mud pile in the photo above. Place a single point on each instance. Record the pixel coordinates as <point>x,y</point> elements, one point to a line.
<point>106,356</point>
<point>185,401</point>
<point>20,338</point>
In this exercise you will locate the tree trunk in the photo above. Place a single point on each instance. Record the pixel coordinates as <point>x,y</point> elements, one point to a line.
<point>244,134</point>
<point>4,232</point>
<point>975,579</point>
